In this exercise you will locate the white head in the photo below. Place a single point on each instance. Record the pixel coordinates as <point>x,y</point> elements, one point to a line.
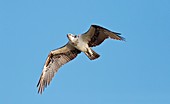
<point>72,37</point>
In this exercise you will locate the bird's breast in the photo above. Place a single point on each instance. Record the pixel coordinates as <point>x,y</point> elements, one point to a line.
<point>81,45</point>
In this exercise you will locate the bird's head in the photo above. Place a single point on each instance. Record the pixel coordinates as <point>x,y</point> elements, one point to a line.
<point>72,37</point>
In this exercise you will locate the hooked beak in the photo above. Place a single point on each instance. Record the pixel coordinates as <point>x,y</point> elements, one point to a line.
<point>68,35</point>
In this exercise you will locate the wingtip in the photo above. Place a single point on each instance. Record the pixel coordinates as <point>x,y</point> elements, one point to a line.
<point>122,39</point>
<point>39,85</point>
<point>40,90</point>
<point>117,33</point>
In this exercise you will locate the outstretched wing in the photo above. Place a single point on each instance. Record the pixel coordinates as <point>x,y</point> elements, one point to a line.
<point>97,34</point>
<point>55,60</point>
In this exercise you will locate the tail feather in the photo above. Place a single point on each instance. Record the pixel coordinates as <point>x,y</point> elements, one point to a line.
<point>93,55</point>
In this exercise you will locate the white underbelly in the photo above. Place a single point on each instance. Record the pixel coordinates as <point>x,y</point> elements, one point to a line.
<point>82,46</point>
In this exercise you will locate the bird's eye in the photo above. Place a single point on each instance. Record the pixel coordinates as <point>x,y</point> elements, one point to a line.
<point>75,36</point>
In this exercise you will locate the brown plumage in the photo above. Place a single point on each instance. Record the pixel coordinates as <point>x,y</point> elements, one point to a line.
<point>97,34</point>
<point>54,61</point>
<point>77,44</point>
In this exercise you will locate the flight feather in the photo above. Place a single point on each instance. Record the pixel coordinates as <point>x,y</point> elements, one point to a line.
<point>55,60</point>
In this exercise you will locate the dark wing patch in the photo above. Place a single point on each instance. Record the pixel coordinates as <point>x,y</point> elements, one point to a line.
<point>53,63</point>
<point>97,34</point>
<point>97,38</point>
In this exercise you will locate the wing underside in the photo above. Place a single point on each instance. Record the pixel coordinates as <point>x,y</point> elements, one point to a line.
<point>55,60</point>
<point>97,34</point>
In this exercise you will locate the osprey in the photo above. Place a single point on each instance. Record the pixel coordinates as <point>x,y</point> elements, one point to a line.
<point>77,44</point>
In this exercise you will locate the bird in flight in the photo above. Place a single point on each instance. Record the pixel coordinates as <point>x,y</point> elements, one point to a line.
<point>76,44</point>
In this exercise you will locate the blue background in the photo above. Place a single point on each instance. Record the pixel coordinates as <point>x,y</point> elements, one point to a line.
<point>133,72</point>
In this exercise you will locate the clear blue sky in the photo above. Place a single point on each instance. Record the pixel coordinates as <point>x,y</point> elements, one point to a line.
<point>133,72</point>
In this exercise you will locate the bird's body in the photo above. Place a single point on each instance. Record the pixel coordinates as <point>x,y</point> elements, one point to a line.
<point>77,44</point>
